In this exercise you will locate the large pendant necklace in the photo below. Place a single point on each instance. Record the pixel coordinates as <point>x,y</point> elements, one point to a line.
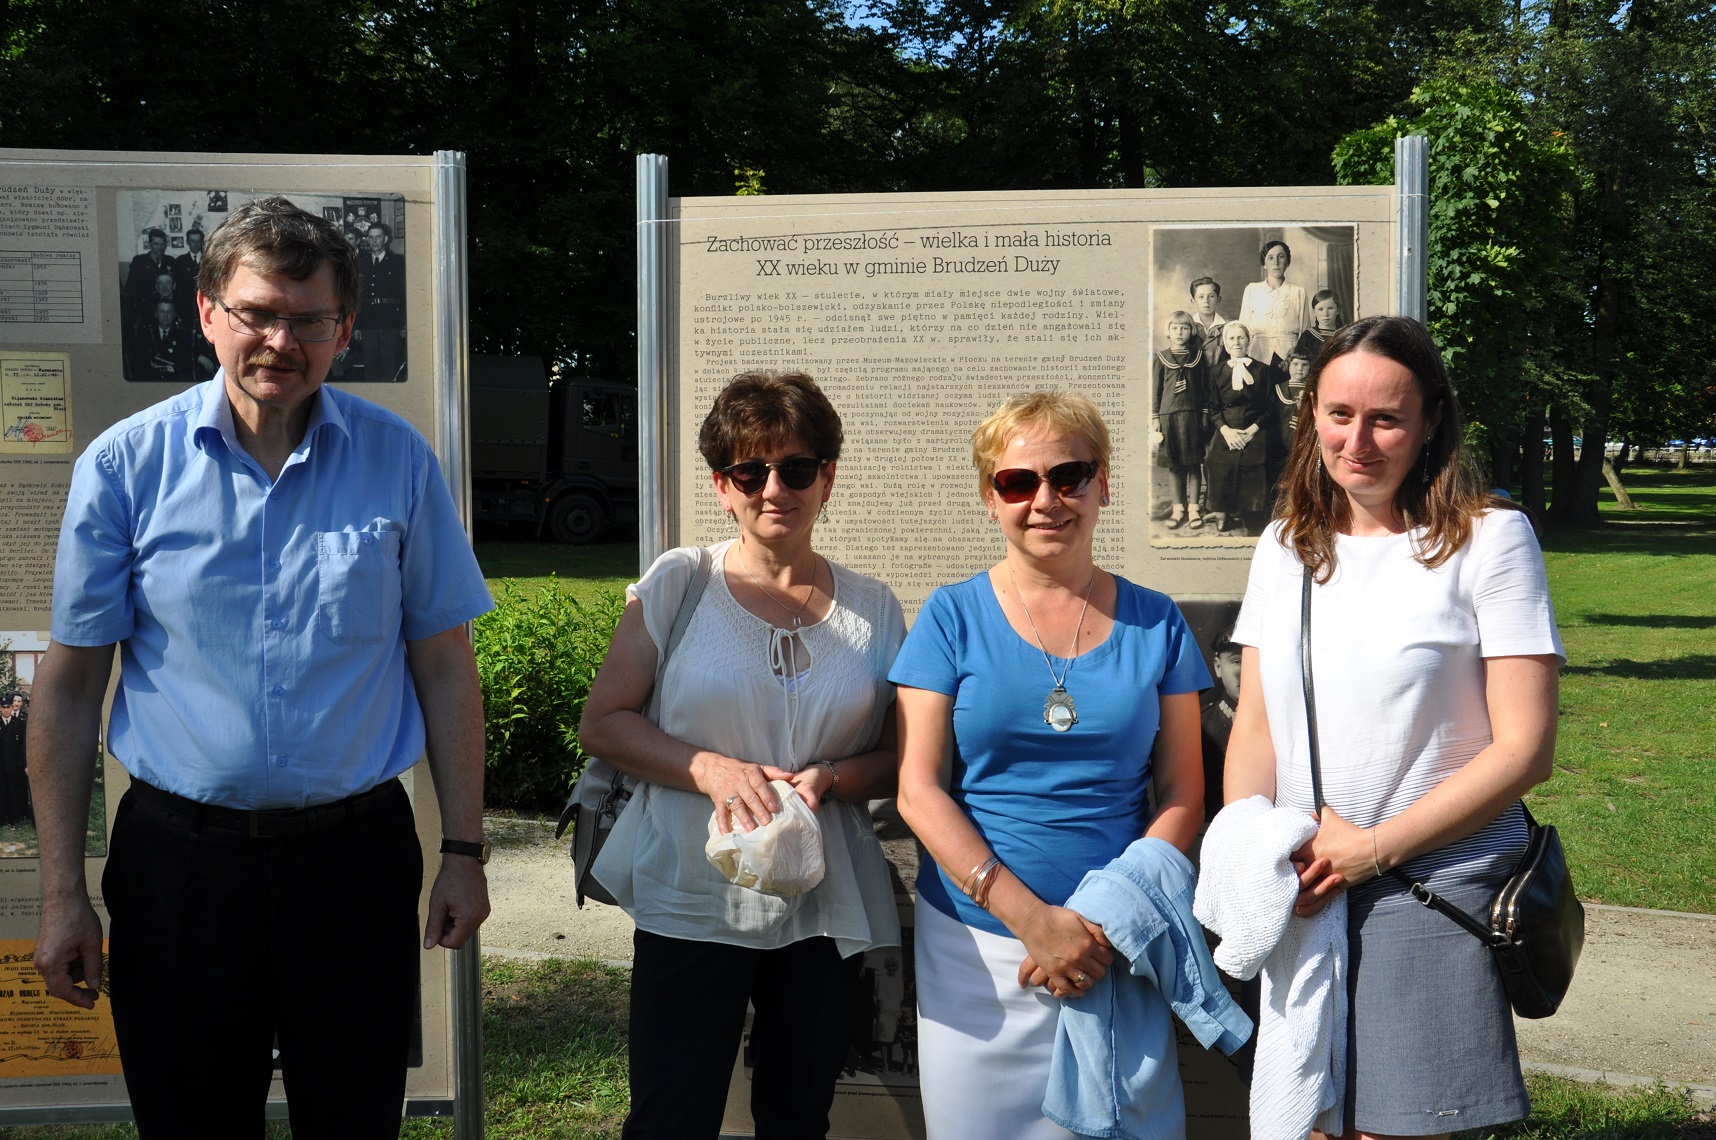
<point>1059,712</point>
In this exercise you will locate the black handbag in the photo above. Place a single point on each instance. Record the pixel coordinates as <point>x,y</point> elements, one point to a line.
<point>1536,926</point>
<point>603,791</point>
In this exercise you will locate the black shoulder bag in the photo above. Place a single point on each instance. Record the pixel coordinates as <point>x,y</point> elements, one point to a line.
<point>1536,927</point>
<point>603,791</point>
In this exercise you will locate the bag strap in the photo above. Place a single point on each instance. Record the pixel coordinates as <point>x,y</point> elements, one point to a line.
<point>1309,689</point>
<point>687,606</point>
<point>1418,890</point>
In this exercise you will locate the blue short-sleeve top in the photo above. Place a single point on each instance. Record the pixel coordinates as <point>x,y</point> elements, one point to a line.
<point>1051,805</point>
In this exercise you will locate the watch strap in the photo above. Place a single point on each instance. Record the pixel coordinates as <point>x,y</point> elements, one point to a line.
<point>477,851</point>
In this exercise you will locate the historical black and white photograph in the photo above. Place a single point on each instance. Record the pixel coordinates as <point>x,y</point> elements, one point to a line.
<point>1212,627</point>
<point>160,330</point>
<point>21,651</point>
<point>1237,314</point>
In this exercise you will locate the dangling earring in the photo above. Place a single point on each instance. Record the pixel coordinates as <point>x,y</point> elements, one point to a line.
<point>1319,461</point>
<point>1426,473</point>
<point>822,516</point>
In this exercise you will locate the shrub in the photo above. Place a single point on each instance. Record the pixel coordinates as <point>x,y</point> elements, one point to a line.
<point>537,653</point>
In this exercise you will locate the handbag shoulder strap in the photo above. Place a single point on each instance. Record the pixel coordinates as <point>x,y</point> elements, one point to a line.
<point>1309,689</point>
<point>687,606</point>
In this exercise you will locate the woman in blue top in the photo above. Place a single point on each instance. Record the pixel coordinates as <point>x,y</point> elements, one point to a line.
<point>1027,734</point>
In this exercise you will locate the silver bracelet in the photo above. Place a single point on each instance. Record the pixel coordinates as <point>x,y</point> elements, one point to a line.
<point>833,776</point>
<point>1374,858</point>
<point>978,873</point>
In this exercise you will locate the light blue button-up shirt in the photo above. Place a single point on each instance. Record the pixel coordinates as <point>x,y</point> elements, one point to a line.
<point>263,623</point>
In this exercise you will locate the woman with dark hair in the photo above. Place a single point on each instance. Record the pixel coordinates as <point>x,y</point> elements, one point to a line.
<point>1274,309</point>
<point>1435,654</point>
<point>780,675</point>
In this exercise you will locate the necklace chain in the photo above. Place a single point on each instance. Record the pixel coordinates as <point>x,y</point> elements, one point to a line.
<point>1061,681</point>
<point>815,566</point>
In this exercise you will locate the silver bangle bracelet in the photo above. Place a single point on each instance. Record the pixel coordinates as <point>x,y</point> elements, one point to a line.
<point>833,776</point>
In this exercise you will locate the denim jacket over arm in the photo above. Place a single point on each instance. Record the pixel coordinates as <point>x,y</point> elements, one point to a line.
<point>1100,1083</point>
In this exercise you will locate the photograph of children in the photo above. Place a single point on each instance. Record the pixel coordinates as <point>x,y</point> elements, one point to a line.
<point>1230,309</point>
<point>160,328</point>
<point>20,653</point>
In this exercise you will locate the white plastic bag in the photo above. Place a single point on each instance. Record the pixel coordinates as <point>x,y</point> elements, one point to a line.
<point>782,858</point>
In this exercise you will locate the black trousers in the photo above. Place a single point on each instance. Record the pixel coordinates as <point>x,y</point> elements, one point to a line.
<point>688,1014</point>
<point>218,945</point>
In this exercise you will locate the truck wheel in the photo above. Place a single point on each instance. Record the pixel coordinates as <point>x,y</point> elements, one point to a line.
<point>576,519</point>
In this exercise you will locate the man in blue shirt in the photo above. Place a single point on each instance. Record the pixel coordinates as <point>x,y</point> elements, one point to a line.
<point>287,581</point>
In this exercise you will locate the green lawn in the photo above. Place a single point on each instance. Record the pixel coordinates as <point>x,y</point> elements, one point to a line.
<point>1635,786</point>
<point>584,570</point>
<point>555,1069</point>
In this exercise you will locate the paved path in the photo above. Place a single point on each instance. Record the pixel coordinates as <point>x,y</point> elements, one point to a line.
<point>1642,1007</point>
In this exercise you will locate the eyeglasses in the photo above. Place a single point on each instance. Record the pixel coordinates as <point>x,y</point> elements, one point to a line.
<point>1019,484</point>
<point>752,475</point>
<point>256,322</point>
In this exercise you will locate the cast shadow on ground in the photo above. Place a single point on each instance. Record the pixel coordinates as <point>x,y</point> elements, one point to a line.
<point>1694,667</point>
<point>1652,621</point>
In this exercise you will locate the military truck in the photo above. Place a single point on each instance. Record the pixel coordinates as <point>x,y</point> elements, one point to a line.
<point>562,458</point>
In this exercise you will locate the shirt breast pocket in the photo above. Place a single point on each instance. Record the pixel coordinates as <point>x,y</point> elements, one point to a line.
<point>358,585</point>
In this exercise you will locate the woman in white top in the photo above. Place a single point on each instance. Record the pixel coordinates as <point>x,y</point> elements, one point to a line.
<point>1274,309</point>
<point>781,674</point>
<point>1435,655</point>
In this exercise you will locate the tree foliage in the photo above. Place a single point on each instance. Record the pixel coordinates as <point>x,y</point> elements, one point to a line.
<point>1500,201</point>
<point>1582,302</point>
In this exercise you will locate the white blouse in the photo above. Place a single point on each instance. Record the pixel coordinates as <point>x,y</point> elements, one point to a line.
<point>1275,318</point>
<point>1399,653</point>
<point>722,691</point>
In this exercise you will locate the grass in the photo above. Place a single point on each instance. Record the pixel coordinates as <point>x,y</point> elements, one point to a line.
<point>1635,786</point>
<point>1567,1110</point>
<point>583,570</point>
<point>555,1069</point>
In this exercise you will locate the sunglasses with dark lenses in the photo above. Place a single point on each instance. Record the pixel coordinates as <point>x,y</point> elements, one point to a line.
<point>752,475</point>
<point>1019,484</point>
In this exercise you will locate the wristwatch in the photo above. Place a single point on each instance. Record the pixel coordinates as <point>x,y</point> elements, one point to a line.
<point>477,851</point>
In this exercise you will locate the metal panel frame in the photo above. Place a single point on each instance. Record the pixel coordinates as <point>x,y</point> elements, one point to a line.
<point>452,304</point>
<point>655,307</point>
<point>1412,226</point>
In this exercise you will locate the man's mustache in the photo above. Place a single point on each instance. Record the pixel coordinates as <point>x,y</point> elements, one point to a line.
<point>271,360</point>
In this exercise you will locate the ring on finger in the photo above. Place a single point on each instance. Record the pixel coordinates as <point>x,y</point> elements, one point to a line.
<point>731,800</point>
<point>1081,979</point>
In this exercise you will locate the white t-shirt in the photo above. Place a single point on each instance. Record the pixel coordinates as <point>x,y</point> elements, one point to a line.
<point>722,691</point>
<point>1397,652</point>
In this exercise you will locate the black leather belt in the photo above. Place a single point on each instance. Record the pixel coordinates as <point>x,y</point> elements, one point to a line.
<point>280,823</point>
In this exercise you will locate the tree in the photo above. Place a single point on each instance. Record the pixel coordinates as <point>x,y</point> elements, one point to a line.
<point>1500,194</point>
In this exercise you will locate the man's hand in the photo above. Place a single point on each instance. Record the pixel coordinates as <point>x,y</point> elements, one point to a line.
<point>68,951</point>
<point>458,903</point>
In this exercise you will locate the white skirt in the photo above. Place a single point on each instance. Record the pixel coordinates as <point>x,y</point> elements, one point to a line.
<point>983,1043</point>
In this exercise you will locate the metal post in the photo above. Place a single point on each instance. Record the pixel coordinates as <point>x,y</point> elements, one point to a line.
<point>653,309</point>
<point>452,307</point>
<point>1412,225</point>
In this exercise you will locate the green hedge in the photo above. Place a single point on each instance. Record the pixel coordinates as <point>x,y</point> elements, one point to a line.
<point>537,653</point>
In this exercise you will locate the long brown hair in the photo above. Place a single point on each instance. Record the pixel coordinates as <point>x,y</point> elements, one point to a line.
<point>1440,495</point>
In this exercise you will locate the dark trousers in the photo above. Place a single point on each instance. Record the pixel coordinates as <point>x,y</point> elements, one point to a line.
<point>688,1014</point>
<point>218,945</point>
